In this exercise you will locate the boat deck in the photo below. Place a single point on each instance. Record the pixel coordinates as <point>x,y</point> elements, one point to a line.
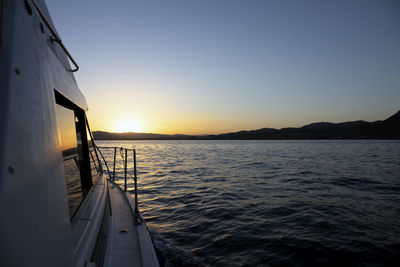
<point>125,245</point>
<point>131,244</point>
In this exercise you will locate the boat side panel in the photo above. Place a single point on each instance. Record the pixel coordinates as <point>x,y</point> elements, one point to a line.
<point>88,222</point>
<point>35,226</point>
<point>7,21</point>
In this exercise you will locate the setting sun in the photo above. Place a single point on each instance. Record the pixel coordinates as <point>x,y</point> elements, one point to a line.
<point>129,126</point>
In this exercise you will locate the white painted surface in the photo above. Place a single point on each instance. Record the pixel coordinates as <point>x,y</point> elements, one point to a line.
<point>35,227</point>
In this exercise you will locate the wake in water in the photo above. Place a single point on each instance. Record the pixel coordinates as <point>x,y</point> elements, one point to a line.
<point>170,256</point>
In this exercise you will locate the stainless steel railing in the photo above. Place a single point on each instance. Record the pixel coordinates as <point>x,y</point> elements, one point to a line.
<point>124,156</point>
<point>55,37</point>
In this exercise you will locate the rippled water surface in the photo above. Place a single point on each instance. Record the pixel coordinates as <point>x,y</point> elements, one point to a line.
<point>262,203</point>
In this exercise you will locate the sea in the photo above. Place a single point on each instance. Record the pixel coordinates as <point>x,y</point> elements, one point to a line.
<point>268,203</point>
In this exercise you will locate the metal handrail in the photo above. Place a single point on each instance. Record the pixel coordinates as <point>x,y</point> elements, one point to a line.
<point>124,155</point>
<point>55,35</point>
<point>95,146</point>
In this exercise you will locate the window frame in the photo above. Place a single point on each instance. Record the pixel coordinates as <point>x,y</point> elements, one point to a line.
<point>80,127</point>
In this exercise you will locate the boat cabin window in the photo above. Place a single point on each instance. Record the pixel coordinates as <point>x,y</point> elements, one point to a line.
<point>72,157</point>
<point>71,124</point>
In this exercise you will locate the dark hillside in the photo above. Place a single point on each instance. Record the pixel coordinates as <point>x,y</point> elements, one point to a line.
<point>387,129</point>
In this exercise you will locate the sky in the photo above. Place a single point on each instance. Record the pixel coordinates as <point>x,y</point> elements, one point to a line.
<point>215,66</point>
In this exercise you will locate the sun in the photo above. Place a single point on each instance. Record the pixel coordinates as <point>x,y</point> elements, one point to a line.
<point>129,126</point>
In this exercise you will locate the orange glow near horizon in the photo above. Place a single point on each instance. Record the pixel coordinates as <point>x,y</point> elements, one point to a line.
<point>168,113</point>
<point>167,123</point>
<point>128,126</point>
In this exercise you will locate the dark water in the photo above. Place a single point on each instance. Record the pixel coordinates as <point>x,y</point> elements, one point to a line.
<point>268,203</point>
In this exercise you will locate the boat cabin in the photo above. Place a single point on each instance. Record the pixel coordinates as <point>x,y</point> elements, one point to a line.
<point>57,206</point>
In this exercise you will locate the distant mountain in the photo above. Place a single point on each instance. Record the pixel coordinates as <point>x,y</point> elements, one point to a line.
<point>100,135</point>
<point>387,129</point>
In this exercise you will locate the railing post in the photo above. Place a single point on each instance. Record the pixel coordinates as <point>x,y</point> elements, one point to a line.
<point>136,195</point>
<point>126,164</point>
<point>105,162</point>
<point>135,178</point>
<point>115,155</point>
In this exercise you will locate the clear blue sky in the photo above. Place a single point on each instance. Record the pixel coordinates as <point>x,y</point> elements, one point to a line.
<point>217,66</point>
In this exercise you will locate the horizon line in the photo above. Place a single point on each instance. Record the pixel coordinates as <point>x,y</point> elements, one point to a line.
<point>235,131</point>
